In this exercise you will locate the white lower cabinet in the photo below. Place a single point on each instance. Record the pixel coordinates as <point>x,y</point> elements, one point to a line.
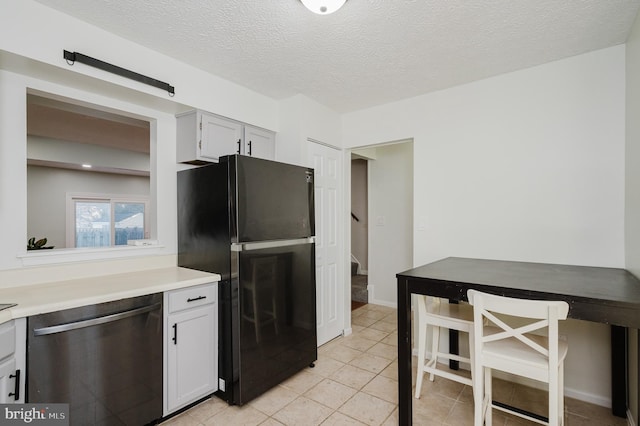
<point>7,381</point>
<point>12,361</point>
<point>191,342</point>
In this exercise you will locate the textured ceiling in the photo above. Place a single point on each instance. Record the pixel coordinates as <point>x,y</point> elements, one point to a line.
<point>370,52</point>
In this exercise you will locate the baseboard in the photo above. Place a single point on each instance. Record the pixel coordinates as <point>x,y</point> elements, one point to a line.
<point>372,298</point>
<point>600,400</point>
<point>347,331</point>
<point>383,303</point>
<point>603,401</point>
<point>630,419</point>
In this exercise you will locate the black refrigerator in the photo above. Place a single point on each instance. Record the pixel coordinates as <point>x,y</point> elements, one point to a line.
<point>252,221</point>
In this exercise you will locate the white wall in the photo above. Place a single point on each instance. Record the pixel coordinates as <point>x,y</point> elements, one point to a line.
<point>46,149</point>
<point>13,164</point>
<point>528,166</point>
<point>391,197</point>
<point>632,193</point>
<point>302,118</point>
<point>46,197</point>
<point>13,170</point>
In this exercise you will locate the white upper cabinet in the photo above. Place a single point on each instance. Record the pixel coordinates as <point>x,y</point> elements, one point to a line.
<point>259,143</point>
<point>219,137</point>
<point>204,137</point>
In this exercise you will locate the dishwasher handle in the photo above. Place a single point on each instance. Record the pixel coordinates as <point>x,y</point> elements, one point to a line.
<point>94,321</point>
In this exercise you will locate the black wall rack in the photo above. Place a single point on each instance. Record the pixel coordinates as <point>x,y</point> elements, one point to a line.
<point>73,57</point>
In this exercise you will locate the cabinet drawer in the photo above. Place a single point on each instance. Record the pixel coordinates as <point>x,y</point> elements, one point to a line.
<point>192,296</point>
<point>7,339</point>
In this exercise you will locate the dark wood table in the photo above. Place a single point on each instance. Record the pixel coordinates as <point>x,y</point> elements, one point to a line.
<point>605,295</point>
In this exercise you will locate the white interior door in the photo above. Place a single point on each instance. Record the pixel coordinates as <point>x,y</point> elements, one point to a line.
<point>327,163</point>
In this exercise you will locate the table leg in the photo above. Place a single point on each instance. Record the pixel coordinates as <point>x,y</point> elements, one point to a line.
<point>404,353</point>
<point>454,344</point>
<point>619,370</point>
<point>454,348</point>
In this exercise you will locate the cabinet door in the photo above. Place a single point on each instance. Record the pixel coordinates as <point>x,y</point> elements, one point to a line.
<point>219,137</point>
<point>259,143</point>
<point>7,381</point>
<point>21,358</point>
<point>192,355</point>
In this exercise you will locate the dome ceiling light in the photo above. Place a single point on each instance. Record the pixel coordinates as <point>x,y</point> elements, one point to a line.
<point>323,7</point>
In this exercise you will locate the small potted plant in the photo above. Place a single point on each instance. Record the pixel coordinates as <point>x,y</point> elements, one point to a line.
<point>32,244</point>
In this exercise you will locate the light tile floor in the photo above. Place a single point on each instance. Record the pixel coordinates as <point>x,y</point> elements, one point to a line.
<point>354,382</point>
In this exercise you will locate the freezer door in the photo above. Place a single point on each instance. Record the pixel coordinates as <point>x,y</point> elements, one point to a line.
<point>273,201</point>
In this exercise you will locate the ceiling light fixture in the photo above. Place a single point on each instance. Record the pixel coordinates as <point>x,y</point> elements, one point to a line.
<point>86,166</point>
<point>323,7</point>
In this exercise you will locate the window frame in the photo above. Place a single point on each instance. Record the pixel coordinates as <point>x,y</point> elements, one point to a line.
<point>112,199</point>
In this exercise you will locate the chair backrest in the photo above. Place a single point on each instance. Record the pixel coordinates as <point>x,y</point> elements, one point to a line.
<point>264,269</point>
<point>547,314</point>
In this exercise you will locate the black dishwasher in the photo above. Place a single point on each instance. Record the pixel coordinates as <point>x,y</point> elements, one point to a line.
<point>104,360</point>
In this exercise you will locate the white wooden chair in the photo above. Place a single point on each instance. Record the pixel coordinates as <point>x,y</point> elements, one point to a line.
<point>512,349</point>
<point>434,314</point>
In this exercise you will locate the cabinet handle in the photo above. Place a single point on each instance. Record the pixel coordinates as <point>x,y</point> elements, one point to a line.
<point>238,146</point>
<point>249,147</point>
<point>16,390</point>
<point>175,334</point>
<point>196,298</point>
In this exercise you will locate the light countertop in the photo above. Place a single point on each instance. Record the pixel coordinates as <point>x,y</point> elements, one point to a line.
<point>54,296</point>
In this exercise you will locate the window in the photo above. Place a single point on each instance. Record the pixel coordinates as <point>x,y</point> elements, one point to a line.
<point>105,221</point>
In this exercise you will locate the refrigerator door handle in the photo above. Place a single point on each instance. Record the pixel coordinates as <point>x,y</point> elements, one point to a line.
<point>237,247</point>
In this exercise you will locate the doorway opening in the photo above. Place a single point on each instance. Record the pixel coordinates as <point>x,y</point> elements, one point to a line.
<point>382,230</point>
<point>359,232</point>
<point>88,174</point>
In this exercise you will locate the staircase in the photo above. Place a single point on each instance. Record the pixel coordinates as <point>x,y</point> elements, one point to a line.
<point>359,291</point>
